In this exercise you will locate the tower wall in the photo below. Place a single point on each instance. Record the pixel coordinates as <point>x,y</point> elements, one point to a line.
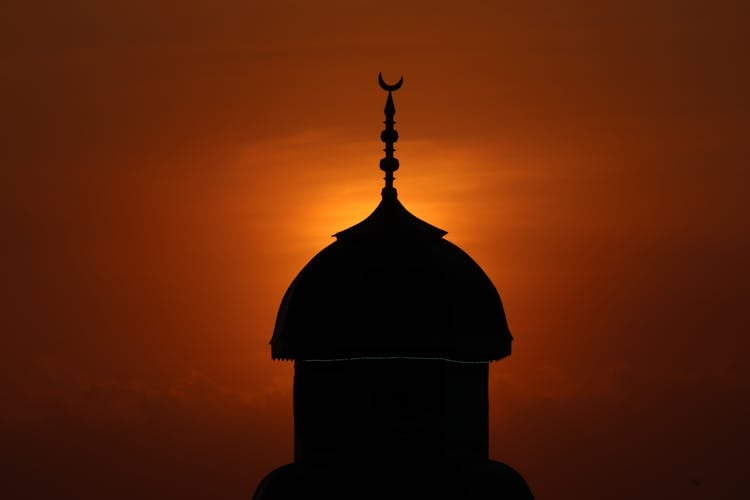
<point>390,408</point>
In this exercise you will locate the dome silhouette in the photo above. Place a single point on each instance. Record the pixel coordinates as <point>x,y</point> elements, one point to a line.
<point>391,286</point>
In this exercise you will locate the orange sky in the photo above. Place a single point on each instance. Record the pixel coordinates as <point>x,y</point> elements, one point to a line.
<point>167,169</point>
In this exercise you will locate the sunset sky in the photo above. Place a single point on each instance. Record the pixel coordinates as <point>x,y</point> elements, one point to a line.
<point>167,168</point>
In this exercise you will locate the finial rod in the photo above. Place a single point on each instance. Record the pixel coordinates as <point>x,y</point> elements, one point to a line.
<point>389,136</point>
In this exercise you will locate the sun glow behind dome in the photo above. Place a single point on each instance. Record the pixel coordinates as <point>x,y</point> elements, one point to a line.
<point>451,187</point>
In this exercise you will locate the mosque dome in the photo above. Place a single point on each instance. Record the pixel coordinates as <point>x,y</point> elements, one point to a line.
<point>391,286</point>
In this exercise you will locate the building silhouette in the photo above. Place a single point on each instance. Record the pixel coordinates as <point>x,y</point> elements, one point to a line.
<point>391,329</point>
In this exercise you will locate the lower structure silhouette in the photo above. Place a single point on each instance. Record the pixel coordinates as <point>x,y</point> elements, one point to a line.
<point>391,329</point>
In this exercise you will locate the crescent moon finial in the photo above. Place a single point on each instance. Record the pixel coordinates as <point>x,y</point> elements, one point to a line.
<point>389,88</point>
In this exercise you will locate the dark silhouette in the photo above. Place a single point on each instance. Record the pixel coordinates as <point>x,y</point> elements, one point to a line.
<point>391,329</point>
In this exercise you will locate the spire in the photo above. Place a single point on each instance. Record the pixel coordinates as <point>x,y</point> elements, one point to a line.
<point>390,217</point>
<point>389,136</point>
